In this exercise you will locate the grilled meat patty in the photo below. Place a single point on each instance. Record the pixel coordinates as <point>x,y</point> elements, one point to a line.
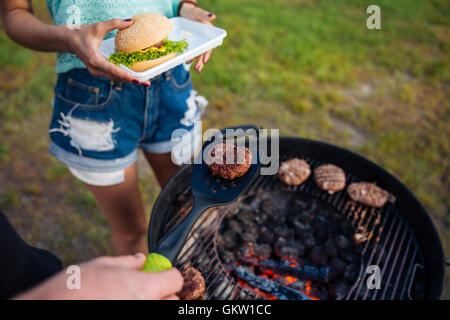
<point>228,161</point>
<point>368,193</point>
<point>194,284</point>
<point>330,178</point>
<point>294,171</point>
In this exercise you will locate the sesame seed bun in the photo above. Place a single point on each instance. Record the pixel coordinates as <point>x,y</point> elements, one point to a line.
<point>145,65</point>
<point>147,29</point>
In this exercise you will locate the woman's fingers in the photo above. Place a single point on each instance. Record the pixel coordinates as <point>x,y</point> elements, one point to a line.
<point>112,71</point>
<point>201,61</point>
<point>206,56</point>
<point>199,14</point>
<point>104,68</point>
<point>106,26</point>
<point>199,65</point>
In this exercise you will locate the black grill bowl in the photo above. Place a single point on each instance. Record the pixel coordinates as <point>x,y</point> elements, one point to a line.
<point>407,205</point>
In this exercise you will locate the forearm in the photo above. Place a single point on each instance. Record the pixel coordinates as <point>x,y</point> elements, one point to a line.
<point>51,289</point>
<point>24,28</point>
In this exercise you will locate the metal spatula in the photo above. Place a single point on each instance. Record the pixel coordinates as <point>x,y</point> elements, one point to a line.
<point>208,191</point>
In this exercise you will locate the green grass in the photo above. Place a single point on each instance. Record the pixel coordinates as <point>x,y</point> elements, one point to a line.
<point>310,68</point>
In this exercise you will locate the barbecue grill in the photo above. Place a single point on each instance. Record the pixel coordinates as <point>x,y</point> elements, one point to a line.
<point>403,243</point>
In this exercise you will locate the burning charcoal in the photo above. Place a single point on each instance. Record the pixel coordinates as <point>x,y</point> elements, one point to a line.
<point>281,280</point>
<point>325,213</point>
<point>339,289</point>
<point>227,257</point>
<point>247,269</point>
<point>349,257</point>
<point>300,204</point>
<point>337,217</point>
<point>266,235</point>
<point>261,217</point>
<point>246,249</point>
<point>330,248</point>
<point>278,217</point>
<point>289,252</point>
<point>246,216</point>
<point>228,240</point>
<point>298,285</point>
<point>267,206</point>
<point>282,232</point>
<point>331,231</point>
<point>280,243</point>
<point>263,251</point>
<point>318,255</point>
<point>302,271</point>
<point>320,231</point>
<point>266,285</point>
<point>248,260</point>
<point>250,234</point>
<point>306,216</point>
<point>342,242</point>
<point>319,292</point>
<point>309,241</point>
<point>337,267</point>
<point>297,245</point>
<point>301,227</point>
<point>320,219</point>
<point>345,228</point>
<point>350,273</point>
<point>234,225</point>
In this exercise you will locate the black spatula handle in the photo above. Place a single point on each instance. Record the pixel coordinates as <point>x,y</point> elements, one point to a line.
<point>171,244</point>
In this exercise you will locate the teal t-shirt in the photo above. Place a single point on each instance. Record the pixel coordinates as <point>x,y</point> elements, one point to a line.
<point>91,11</point>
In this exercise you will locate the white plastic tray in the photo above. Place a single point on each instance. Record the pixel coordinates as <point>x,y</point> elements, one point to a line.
<point>200,38</point>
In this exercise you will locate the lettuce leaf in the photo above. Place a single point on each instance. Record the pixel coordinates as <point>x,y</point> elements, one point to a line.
<point>129,59</point>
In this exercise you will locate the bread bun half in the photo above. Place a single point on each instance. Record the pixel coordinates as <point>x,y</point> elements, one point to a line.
<point>145,65</point>
<point>147,29</point>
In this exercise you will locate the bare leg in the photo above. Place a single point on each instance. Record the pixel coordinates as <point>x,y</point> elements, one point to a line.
<point>162,165</point>
<point>122,205</point>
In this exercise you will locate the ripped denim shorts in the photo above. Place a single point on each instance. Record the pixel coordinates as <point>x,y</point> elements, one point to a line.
<point>98,124</point>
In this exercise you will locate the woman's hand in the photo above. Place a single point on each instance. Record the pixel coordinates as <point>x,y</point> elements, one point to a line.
<point>189,11</point>
<point>85,42</point>
<point>24,28</point>
<point>111,278</point>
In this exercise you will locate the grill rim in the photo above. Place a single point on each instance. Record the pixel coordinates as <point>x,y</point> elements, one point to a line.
<point>417,217</point>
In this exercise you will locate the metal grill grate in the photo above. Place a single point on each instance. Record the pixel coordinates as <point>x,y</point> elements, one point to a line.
<point>391,244</point>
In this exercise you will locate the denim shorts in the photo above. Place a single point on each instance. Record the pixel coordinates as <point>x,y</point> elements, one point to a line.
<point>98,124</point>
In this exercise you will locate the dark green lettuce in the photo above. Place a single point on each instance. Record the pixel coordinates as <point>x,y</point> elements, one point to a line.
<point>129,59</point>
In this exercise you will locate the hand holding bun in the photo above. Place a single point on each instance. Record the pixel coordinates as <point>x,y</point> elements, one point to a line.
<point>144,44</point>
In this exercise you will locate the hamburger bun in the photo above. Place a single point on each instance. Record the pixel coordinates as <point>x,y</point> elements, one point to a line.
<point>145,65</point>
<point>147,30</point>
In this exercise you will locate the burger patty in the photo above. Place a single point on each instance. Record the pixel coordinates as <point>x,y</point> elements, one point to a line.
<point>294,171</point>
<point>235,165</point>
<point>193,286</point>
<point>368,193</point>
<point>157,45</point>
<point>330,178</point>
